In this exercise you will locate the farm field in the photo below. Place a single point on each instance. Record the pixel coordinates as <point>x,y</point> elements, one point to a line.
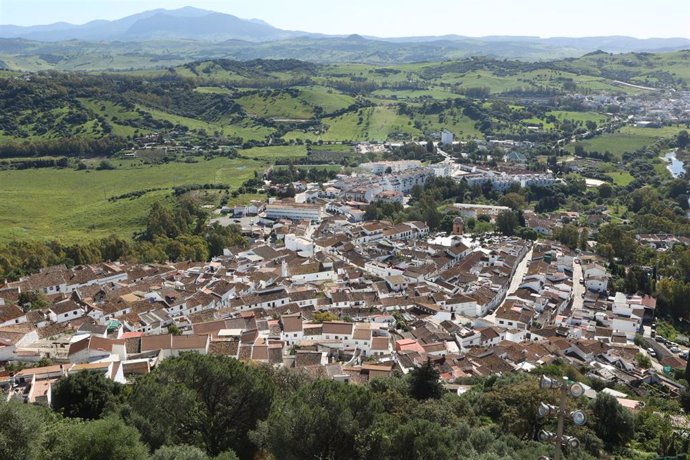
<point>273,153</point>
<point>73,205</point>
<point>627,139</point>
<point>621,178</point>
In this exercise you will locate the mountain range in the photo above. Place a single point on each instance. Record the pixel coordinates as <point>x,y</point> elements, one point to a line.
<point>184,23</point>
<point>190,33</point>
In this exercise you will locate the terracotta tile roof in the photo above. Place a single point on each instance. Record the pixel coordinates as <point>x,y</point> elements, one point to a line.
<point>338,327</point>
<point>224,347</point>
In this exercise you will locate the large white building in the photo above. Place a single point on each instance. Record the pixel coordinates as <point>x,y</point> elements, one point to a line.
<point>474,210</point>
<point>380,167</point>
<point>446,138</point>
<point>294,211</point>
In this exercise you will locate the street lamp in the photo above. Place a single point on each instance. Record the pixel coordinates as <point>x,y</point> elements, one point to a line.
<point>579,418</point>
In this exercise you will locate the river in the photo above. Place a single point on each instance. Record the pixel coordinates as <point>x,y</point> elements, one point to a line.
<point>675,166</point>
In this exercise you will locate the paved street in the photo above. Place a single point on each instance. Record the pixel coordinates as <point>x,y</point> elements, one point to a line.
<point>578,289</point>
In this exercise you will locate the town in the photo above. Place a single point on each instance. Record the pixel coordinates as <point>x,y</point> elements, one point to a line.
<point>325,292</point>
<point>457,230</point>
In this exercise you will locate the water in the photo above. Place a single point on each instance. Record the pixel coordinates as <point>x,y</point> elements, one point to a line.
<point>675,166</point>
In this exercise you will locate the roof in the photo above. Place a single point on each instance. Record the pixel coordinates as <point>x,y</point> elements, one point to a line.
<point>292,323</point>
<point>65,307</point>
<point>380,343</point>
<point>307,358</point>
<point>337,327</point>
<point>93,342</point>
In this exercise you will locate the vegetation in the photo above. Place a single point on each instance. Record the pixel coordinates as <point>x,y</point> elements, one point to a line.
<point>173,233</point>
<point>201,407</point>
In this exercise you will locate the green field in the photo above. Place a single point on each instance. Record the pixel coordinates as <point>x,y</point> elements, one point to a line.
<point>627,139</point>
<point>245,129</point>
<point>622,178</point>
<point>273,153</point>
<point>578,116</point>
<point>72,205</point>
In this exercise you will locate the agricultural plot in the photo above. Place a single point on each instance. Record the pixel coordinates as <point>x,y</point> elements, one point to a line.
<point>73,205</point>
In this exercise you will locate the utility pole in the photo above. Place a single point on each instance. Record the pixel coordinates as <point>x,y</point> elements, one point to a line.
<point>561,413</point>
<point>559,439</point>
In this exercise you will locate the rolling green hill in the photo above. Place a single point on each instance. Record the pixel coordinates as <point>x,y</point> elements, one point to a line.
<point>268,109</point>
<point>257,100</point>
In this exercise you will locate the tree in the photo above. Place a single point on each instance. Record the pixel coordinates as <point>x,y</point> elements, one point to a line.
<point>109,438</point>
<point>643,361</point>
<point>512,402</point>
<point>507,222</point>
<point>324,419</point>
<point>612,422</point>
<point>85,395</point>
<point>22,430</point>
<point>32,300</point>
<point>682,139</point>
<point>179,453</point>
<point>584,237</point>
<point>424,382</point>
<point>569,235</point>
<point>211,402</point>
<point>421,439</point>
<point>605,190</point>
<point>320,317</point>
<point>513,200</point>
<point>630,282</point>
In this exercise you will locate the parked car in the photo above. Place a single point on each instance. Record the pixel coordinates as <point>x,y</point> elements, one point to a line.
<point>674,349</point>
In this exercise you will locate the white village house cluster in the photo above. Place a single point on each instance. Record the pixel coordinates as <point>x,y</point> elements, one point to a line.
<point>322,291</point>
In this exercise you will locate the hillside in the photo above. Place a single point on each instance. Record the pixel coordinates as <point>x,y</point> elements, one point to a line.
<point>267,110</point>
<point>262,99</point>
<point>182,23</point>
<point>163,37</point>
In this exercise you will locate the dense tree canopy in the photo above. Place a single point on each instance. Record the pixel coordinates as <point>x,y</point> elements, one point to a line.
<point>196,407</point>
<point>205,401</point>
<point>85,395</point>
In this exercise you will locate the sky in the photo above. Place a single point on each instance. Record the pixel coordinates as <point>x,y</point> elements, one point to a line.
<point>397,18</point>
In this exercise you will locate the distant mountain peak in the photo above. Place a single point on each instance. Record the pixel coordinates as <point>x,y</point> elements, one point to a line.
<point>259,21</point>
<point>182,23</point>
<point>206,26</point>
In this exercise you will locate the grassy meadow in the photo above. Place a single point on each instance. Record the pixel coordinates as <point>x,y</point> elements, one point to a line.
<point>72,205</point>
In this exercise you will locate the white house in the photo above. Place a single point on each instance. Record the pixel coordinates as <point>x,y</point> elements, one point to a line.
<point>65,311</point>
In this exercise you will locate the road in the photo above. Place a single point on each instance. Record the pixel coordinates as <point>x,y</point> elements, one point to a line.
<point>578,289</point>
<point>630,85</point>
<point>520,272</point>
<point>448,158</point>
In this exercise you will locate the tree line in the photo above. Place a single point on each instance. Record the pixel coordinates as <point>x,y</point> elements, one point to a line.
<point>202,406</point>
<point>177,232</point>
